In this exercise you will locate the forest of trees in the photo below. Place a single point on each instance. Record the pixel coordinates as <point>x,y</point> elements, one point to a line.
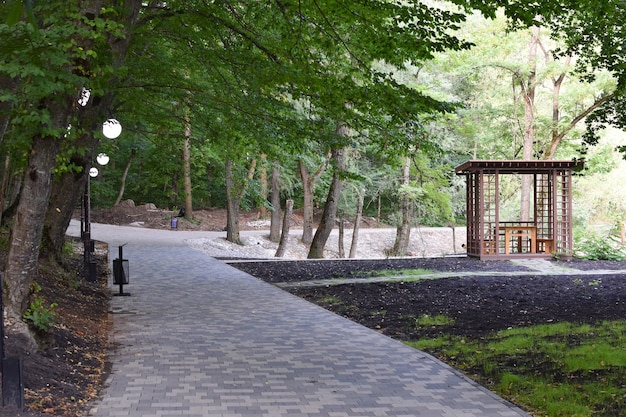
<point>335,105</point>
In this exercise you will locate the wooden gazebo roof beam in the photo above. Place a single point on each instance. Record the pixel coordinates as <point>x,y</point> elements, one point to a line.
<point>514,166</point>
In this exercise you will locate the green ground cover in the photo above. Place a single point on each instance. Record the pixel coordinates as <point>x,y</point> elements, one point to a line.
<point>553,370</point>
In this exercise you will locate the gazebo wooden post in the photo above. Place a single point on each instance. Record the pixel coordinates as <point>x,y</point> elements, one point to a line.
<point>555,217</point>
<point>474,195</point>
<point>496,229</point>
<point>563,217</point>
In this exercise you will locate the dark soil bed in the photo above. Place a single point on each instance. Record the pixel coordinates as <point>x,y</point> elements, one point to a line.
<point>477,304</point>
<point>294,271</point>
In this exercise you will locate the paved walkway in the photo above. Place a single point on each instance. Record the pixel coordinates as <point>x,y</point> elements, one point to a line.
<point>200,338</point>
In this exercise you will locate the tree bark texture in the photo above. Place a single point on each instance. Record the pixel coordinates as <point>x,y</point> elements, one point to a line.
<point>26,236</point>
<point>357,225</point>
<point>120,195</point>
<point>187,172</point>
<point>4,186</point>
<point>275,200</point>
<point>263,186</point>
<point>340,245</point>
<point>66,192</point>
<point>284,238</point>
<point>316,251</point>
<point>403,232</point>
<point>308,186</point>
<point>232,205</point>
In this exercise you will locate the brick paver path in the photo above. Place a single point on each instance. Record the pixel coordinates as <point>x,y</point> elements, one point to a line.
<point>200,338</point>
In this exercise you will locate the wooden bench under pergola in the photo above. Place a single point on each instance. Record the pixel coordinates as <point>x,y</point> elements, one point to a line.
<point>549,232</point>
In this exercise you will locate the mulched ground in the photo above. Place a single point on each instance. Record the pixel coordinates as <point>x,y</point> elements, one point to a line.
<point>68,371</point>
<point>307,270</point>
<point>479,304</point>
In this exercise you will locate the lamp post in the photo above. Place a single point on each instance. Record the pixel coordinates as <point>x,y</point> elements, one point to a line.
<point>111,129</point>
<point>88,243</point>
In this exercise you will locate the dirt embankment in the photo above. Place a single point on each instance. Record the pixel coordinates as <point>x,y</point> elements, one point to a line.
<point>375,239</point>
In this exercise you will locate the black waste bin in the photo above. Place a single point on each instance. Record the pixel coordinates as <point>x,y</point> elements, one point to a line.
<point>121,271</point>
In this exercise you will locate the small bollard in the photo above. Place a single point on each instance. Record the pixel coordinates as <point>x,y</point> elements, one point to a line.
<point>11,369</point>
<point>174,222</point>
<point>92,271</point>
<point>12,384</point>
<point>120,271</point>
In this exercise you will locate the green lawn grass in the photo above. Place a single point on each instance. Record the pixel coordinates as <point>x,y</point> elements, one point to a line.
<point>396,273</point>
<point>559,369</point>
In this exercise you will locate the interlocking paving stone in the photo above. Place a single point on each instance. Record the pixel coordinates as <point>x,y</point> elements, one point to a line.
<point>200,338</point>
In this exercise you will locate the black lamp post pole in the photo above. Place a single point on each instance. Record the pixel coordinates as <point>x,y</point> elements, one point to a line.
<point>88,244</point>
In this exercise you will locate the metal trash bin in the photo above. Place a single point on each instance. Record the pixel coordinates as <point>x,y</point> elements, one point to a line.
<point>121,271</point>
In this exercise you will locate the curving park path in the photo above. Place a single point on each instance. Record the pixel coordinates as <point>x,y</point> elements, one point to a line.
<point>199,338</point>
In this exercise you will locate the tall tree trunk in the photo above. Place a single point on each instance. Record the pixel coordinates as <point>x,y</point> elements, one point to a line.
<point>187,172</point>
<point>340,245</point>
<point>357,225</point>
<point>316,251</point>
<point>5,83</point>
<point>5,184</point>
<point>453,238</point>
<point>284,238</point>
<point>528,92</point>
<point>252,169</point>
<point>120,195</point>
<point>67,190</point>
<point>21,263</point>
<point>308,186</point>
<point>275,200</point>
<point>403,232</point>
<point>174,189</point>
<point>263,186</point>
<point>233,197</point>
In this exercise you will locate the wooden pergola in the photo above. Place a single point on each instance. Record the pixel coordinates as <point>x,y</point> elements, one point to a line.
<point>547,233</point>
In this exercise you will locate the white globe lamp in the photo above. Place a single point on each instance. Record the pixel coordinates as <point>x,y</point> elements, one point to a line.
<point>102,159</point>
<point>111,128</point>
